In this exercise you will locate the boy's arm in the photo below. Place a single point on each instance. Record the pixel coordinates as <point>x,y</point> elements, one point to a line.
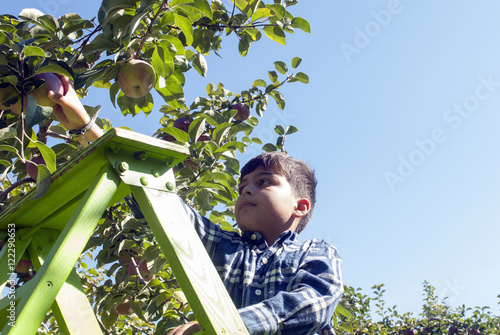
<point>308,304</point>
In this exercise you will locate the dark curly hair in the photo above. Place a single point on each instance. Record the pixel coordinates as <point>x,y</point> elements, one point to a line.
<point>298,174</point>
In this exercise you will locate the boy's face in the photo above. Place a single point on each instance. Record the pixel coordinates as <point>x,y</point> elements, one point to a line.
<point>266,204</point>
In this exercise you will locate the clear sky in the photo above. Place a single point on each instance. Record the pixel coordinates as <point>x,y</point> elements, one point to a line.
<point>401,121</point>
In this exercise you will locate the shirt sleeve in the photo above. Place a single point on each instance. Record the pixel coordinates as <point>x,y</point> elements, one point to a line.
<point>308,304</point>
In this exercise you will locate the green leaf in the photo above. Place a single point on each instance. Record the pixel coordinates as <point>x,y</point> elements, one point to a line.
<point>162,62</point>
<point>196,128</point>
<point>200,64</point>
<point>34,113</point>
<point>275,33</point>
<point>8,132</point>
<point>180,135</point>
<point>273,76</point>
<point>269,147</point>
<point>279,130</point>
<point>203,200</point>
<point>43,181</point>
<point>302,77</point>
<point>185,25</point>
<point>244,45</point>
<point>296,62</point>
<point>279,11</point>
<point>291,130</point>
<point>259,82</point>
<point>279,98</point>
<point>30,51</point>
<point>261,13</point>
<point>220,131</point>
<point>48,155</point>
<point>5,147</point>
<point>347,327</point>
<point>281,67</point>
<point>302,24</point>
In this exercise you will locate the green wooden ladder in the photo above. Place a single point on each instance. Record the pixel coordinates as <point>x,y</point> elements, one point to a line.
<point>54,229</point>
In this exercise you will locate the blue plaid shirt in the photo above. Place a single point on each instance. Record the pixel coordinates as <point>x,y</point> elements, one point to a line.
<point>291,287</point>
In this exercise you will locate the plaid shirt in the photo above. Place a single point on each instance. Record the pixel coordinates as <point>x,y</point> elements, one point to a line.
<point>291,287</point>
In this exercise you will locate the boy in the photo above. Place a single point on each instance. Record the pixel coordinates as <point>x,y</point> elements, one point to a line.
<point>279,284</point>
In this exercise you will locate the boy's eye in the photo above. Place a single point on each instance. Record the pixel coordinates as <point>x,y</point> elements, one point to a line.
<point>264,182</point>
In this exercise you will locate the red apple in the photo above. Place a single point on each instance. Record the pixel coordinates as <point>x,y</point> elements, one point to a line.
<point>409,332</point>
<point>124,308</point>
<point>182,123</point>
<point>143,269</point>
<point>204,137</point>
<point>136,78</point>
<point>32,169</point>
<point>168,138</point>
<point>242,112</point>
<point>475,332</point>
<point>453,330</point>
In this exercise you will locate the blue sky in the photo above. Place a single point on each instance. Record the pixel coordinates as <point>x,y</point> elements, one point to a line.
<point>401,122</point>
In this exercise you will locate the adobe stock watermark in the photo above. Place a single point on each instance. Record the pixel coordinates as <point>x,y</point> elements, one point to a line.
<point>364,35</point>
<point>52,7</point>
<point>454,118</point>
<point>451,290</point>
<point>11,262</point>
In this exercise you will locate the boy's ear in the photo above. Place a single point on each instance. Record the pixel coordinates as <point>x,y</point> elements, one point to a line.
<point>303,207</point>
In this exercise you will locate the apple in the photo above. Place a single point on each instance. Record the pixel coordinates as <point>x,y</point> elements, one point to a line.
<point>453,330</point>
<point>52,83</point>
<point>182,123</point>
<point>475,332</point>
<point>143,269</point>
<point>242,112</point>
<point>32,169</point>
<point>23,266</point>
<point>168,138</point>
<point>409,332</point>
<point>136,78</point>
<point>124,308</point>
<point>204,137</point>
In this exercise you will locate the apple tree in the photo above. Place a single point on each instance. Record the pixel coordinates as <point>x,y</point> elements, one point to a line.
<point>123,272</point>
<point>360,313</point>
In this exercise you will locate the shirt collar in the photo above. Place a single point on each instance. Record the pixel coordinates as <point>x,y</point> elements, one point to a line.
<point>256,238</point>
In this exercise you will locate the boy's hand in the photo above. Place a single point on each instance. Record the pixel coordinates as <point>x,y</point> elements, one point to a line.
<point>70,111</point>
<point>187,329</point>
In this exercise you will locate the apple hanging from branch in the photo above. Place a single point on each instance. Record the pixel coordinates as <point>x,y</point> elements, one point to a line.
<point>136,78</point>
<point>242,112</point>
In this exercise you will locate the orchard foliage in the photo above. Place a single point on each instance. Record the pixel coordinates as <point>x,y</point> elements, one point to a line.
<point>356,312</point>
<point>123,272</point>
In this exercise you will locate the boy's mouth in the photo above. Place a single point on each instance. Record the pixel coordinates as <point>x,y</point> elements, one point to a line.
<point>246,204</point>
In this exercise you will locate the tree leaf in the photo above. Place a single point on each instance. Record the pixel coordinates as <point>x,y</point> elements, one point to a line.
<point>31,50</point>
<point>291,130</point>
<point>200,64</point>
<point>43,181</point>
<point>259,82</point>
<point>261,13</point>
<point>275,33</point>
<point>180,135</point>
<point>302,24</point>
<point>296,62</point>
<point>185,25</point>
<point>269,147</point>
<point>196,128</point>
<point>279,130</point>
<point>302,77</point>
<point>48,155</point>
<point>281,67</point>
